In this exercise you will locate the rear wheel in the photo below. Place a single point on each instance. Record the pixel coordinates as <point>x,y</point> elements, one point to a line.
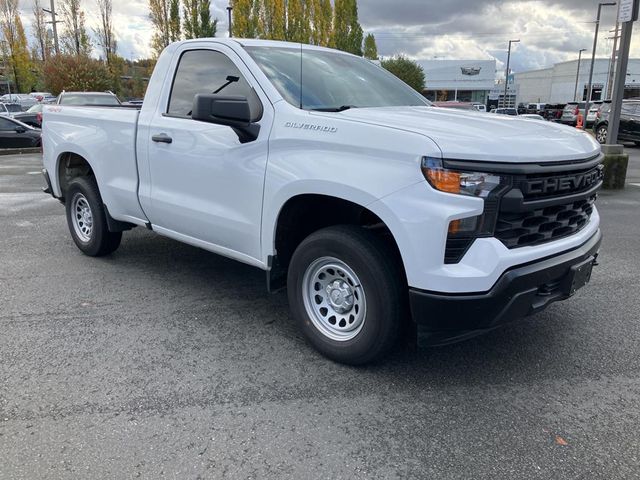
<point>347,293</point>
<point>86,219</point>
<point>601,134</point>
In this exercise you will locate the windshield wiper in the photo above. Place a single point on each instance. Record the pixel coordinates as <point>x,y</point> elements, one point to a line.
<point>334,109</point>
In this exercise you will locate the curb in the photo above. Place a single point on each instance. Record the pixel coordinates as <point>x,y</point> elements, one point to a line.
<point>19,151</point>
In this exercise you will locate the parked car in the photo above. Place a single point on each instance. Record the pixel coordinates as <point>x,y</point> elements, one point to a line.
<point>25,101</point>
<point>522,108</point>
<point>9,109</point>
<point>532,116</point>
<point>15,134</point>
<point>480,107</point>
<point>629,130</point>
<point>88,98</point>
<point>553,111</point>
<point>571,112</point>
<point>593,112</point>
<point>506,111</point>
<point>370,217</point>
<point>32,117</point>
<point>536,108</point>
<point>456,105</point>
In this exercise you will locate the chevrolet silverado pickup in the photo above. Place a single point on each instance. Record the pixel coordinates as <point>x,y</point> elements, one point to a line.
<point>378,212</point>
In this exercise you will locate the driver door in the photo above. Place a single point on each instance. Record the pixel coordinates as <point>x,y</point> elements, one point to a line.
<point>206,186</point>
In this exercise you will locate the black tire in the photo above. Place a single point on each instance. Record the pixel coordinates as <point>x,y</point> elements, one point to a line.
<point>100,241</point>
<point>382,281</point>
<point>601,134</point>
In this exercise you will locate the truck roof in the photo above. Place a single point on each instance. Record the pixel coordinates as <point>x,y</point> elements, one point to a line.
<point>252,42</point>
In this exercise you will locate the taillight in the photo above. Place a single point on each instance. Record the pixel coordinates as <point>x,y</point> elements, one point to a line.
<point>577,112</point>
<point>39,117</point>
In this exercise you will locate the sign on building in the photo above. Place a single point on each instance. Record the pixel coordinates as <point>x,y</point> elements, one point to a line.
<point>628,11</point>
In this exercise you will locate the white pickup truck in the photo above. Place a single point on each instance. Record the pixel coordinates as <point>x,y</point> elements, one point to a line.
<point>379,212</point>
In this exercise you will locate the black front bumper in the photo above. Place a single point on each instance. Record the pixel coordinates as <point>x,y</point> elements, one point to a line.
<point>520,292</point>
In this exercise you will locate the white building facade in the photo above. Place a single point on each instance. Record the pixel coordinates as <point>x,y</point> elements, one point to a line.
<point>459,80</point>
<point>557,84</point>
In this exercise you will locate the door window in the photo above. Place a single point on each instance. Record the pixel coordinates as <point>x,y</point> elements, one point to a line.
<point>207,71</point>
<point>6,125</point>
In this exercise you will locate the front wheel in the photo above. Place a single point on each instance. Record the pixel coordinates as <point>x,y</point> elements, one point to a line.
<point>347,292</point>
<point>87,220</point>
<point>601,134</point>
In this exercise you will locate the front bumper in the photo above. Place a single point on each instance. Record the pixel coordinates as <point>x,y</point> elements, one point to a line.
<point>521,291</point>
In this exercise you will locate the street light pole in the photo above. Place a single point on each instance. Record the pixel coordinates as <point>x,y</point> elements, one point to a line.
<point>593,61</point>
<point>575,95</point>
<point>229,10</point>
<point>506,78</point>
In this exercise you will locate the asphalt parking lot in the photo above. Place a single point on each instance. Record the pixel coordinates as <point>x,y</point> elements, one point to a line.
<point>165,361</point>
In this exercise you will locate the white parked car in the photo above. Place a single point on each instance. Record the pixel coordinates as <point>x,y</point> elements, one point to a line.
<point>10,109</point>
<point>377,211</point>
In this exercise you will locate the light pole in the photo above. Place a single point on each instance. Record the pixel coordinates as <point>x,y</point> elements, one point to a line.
<point>593,61</point>
<point>506,78</point>
<point>229,10</point>
<point>575,95</point>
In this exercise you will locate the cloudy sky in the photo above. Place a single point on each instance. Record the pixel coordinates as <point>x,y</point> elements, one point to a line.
<point>549,30</point>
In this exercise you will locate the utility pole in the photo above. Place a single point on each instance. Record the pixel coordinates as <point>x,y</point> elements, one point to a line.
<point>506,77</point>
<point>587,104</point>
<point>627,14</point>
<point>575,94</point>
<point>229,10</point>
<point>54,25</point>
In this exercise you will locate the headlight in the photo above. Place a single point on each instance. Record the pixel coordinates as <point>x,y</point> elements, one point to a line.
<point>474,184</point>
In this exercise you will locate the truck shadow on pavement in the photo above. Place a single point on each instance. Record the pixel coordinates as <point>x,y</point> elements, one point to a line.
<point>225,308</point>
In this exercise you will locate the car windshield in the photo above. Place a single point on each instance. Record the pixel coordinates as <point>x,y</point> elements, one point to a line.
<point>35,109</point>
<point>332,81</point>
<point>14,107</point>
<point>88,99</point>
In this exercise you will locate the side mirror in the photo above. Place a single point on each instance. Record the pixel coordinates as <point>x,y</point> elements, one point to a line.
<point>20,129</point>
<point>231,111</point>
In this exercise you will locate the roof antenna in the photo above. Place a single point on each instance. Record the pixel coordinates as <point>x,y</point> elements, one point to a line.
<point>301,76</point>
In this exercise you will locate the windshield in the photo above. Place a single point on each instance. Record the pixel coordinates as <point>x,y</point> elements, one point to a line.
<point>14,107</point>
<point>88,99</point>
<point>332,81</point>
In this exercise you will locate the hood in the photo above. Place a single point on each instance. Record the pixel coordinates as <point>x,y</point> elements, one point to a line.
<point>464,135</point>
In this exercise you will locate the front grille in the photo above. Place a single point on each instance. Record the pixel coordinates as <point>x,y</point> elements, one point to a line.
<point>541,225</point>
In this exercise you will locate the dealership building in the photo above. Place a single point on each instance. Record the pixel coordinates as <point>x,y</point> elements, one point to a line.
<point>557,84</point>
<point>459,80</point>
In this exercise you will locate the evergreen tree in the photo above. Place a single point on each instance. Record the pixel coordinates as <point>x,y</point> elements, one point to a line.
<point>75,39</point>
<point>408,71</point>
<point>347,32</point>
<point>197,19</point>
<point>15,49</point>
<point>272,19</point>
<point>370,47</point>
<point>174,21</point>
<point>298,28</point>
<point>321,19</point>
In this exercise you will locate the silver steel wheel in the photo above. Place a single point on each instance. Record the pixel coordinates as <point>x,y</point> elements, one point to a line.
<point>601,135</point>
<point>334,299</point>
<point>81,217</point>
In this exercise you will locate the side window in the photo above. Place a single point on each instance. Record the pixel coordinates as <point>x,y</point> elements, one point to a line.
<point>6,125</point>
<point>206,71</point>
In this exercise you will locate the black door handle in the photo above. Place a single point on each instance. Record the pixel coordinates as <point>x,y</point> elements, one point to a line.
<point>162,138</point>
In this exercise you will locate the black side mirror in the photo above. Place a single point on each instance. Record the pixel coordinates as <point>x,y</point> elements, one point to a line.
<point>20,129</point>
<point>232,111</point>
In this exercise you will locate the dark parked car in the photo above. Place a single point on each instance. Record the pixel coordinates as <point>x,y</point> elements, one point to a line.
<point>553,111</point>
<point>15,134</point>
<point>629,122</point>
<point>32,117</point>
